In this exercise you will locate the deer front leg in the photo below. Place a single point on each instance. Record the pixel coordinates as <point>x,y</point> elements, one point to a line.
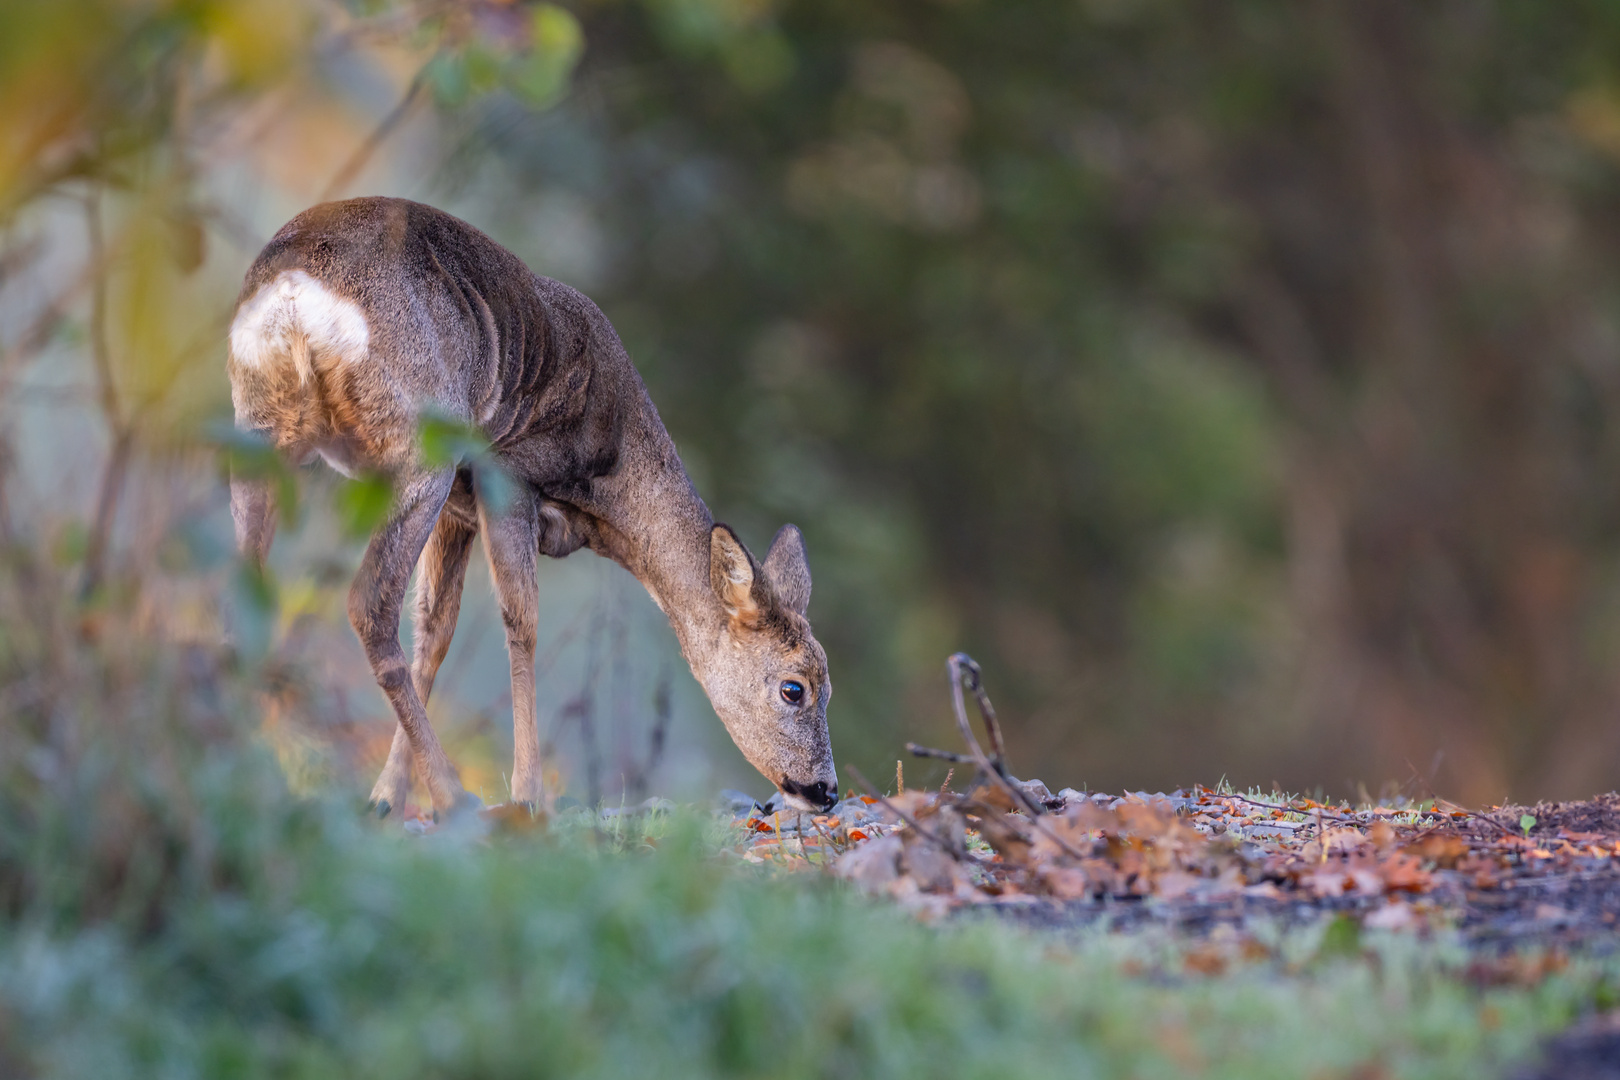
<point>375,600</point>
<point>511,544</point>
<point>440,573</point>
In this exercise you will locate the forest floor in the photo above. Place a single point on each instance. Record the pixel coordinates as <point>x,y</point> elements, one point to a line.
<point>1187,890</point>
<point>1546,876</point>
<point>1522,889</point>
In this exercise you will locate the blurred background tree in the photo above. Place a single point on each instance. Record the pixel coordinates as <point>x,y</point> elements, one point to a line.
<point>1237,383</point>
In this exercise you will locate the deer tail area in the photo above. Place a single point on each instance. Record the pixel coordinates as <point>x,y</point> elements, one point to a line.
<point>289,344</point>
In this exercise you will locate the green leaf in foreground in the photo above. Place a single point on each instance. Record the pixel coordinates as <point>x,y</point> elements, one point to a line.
<point>363,504</point>
<point>541,76</point>
<point>249,455</point>
<point>1527,822</point>
<point>446,441</point>
<point>254,608</point>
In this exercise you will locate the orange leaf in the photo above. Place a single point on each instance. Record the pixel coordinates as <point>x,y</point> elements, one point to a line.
<point>1443,851</point>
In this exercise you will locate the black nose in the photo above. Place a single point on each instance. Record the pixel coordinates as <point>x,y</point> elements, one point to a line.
<point>818,794</point>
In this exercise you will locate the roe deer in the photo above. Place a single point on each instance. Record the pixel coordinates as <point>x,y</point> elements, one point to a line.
<point>361,316</point>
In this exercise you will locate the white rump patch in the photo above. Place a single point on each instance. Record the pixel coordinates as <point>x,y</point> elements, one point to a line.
<point>295,317</point>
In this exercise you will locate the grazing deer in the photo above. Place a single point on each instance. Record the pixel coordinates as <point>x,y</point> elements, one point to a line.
<point>361,316</point>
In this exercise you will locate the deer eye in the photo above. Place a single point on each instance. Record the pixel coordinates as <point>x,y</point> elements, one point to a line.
<point>792,692</point>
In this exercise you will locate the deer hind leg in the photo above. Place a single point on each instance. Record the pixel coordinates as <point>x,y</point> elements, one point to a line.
<point>511,544</point>
<point>440,573</point>
<point>375,600</point>
<point>253,510</point>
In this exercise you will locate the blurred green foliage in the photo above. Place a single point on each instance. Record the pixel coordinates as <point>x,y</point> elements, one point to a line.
<point>1238,384</point>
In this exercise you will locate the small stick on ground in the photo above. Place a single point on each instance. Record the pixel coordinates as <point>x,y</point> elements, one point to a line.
<point>1471,813</point>
<point>992,726</point>
<point>1319,811</point>
<point>901,814</point>
<point>827,841</point>
<point>961,664</point>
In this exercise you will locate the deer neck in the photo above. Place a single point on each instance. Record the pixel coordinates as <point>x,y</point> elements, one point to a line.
<point>652,522</point>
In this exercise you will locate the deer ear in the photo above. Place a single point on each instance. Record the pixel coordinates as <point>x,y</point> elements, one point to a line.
<point>731,572</point>
<point>788,570</point>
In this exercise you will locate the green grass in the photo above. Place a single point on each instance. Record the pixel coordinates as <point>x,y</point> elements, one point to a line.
<point>168,908</point>
<point>339,949</point>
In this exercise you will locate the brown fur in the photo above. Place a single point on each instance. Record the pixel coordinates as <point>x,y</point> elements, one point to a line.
<point>358,317</point>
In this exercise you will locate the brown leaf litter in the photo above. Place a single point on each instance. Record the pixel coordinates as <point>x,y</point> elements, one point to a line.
<point>1201,858</point>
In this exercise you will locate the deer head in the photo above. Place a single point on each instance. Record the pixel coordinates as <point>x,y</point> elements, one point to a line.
<point>764,671</point>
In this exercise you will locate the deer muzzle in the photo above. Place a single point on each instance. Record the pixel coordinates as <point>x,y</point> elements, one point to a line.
<point>819,796</point>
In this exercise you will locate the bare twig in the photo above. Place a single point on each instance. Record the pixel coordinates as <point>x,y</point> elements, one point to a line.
<point>992,726</point>
<point>1487,819</point>
<point>962,666</point>
<point>1362,819</point>
<point>379,134</point>
<point>582,707</point>
<point>916,750</point>
<point>826,840</point>
<point>1470,813</point>
<point>660,732</point>
<point>641,772</point>
<point>901,814</point>
<point>6,534</point>
<point>1318,811</point>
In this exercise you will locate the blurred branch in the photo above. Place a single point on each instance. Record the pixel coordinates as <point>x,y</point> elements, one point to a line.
<point>232,226</point>
<point>38,333</point>
<point>917,750</point>
<point>100,355</point>
<point>391,27</point>
<point>7,536</point>
<point>16,258</point>
<point>582,707</point>
<point>77,167</point>
<point>121,430</point>
<point>640,773</point>
<point>364,152</point>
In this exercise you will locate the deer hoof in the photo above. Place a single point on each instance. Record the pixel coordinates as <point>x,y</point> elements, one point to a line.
<point>381,806</point>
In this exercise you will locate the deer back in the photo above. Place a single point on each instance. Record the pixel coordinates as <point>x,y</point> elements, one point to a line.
<point>361,316</point>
